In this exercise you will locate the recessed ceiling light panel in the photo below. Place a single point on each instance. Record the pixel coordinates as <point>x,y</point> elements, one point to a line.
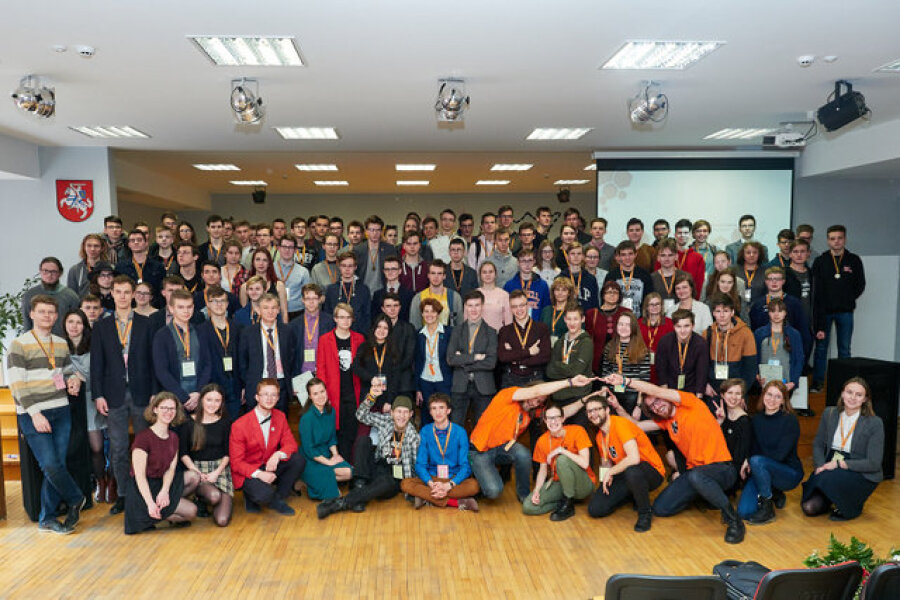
<point>550,133</point>
<point>659,55</point>
<point>511,167</point>
<point>216,167</point>
<point>492,182</point>
<point>744,133</point>
<point>110,131</point>
<point>308,133</point>
<point>412,182</point>
<point>591,167</point>
<point>571,181</point>
<point>332,182</point>
<point>411,167</point>
<point>317,167</point>
<point>891,67</point>
<point>256,182</point>
<point>250,51</point>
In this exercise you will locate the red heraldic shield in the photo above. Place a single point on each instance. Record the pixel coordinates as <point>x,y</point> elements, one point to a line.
<point>75,199</point>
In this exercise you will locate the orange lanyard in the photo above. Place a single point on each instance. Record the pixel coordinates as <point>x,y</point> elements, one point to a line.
<point>373,256</point>
<point>331,275</point>
<point>523,339</point>
<point>682,354</point>
<point>577,285</point>
<point>284,277</point>
<point>565,255</point>
<point>193,289</point>
<point>379,361</point>
<point>774,344</point>
<point>227,336</point>
<point>185,340</point>
<point>443,450</point>
<point>123,335</point>
<point>837,265</point>
<point>254,316</point>
<point>457,282</point>
<point>651,335</point>
<point>398,444</point>
<point>432,348</point>
<point>472,339</point>
<point>627,281</point>
<point>666,284</point>
<point>348,293</point>
<point>213,249</point>
<point>139,269</point>
<point>51,358</point>
<point>620,358</point>
<point>552,448</point>
<point>750,277</point>
<point>844,438</point>
<point>302,256</point>
<point>781,260</point>
<point>571,346</point>
<point>311,328</point>
<point>725,348</point>
<point>168,261</point>
<point>682,256</point>
<point>526,285</point>
<point>604,445</point>
<point>556,317</point>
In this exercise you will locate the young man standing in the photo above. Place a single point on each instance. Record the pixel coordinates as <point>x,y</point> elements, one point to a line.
<point>805,232</point>
<point>141,267</point>
<point>732,347</point>
<point>264,238</point>
<point>747,227</point>
<point>682,356</point>
<point>162,250</point>
<point>90,306</point>
<point>163,316</point>
<point>689,260</point>
<point>326,272</point>
<point>544,222</point>
<point>279,228</point>
<point>413,269</point>
<point>645,255</point>
<point>306,252</point>
<point>695,432</point>
<point>664,276</point>
<point>585,284</point>
<point>51,271</point>
<point>660,231</point>
<point>607,252</point>
<point>122,380</point>
<point>838,281</point>
<point>266,466</point>
<point>391,277</point>
<point>212,248</point>
<point>211,276</point>
<point>308,328</point>
<point>293,275</point>
<point>481,248</point>
<point>783,258</point>
<point>701,245</point>
<point>526,239</point>
<point>466,228</point>
<point>461,278</point>
<point>40,377</point>
<point>633,280</point>
<point>452,314</point>
<point>443,475</point>
<point>402,343</point>
<point>440,245</point>
<point>370,256</point>
<point>266,351</point>
<point>351,290</point>
<point>79,274</point>
<point>523,346</point>
<point>429,230</point>
<point>112,231</point>
<point>186,256</point>
<point>354,234</point>
<point>505,263</point>
<point>220,336</point>
<point>799,276</point>
<point>180,362</point>
<point>472,352</point>
<point>537,291</point>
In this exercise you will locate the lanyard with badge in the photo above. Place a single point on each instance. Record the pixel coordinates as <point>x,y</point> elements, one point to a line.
<point>431,345</point>
<point>139,269</point>
<point>568,347</point>
<point>837,265</point>
<point>620,388</point>
<point>668,302</point>
<point>57,376</point>
<point>561,443</point>
<point>443,470</point>
<point>379,362</point>
<point>651,336</point>
<point>721,370</point>
<point>226,360</point>
<point>605,460</point>
<point>523,339</point>
<point>839,456</point>
<point>628,302</point>
<point>472,339</point>
<point>310,331</point>
<point>124,336</point>
<point>519,420</point>
<point>749,277</point>
<point>188,368</point>
<point>682,357</point>
<point>396,452</point>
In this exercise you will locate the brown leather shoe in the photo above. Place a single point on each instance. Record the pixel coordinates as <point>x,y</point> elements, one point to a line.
<point>100,490</point>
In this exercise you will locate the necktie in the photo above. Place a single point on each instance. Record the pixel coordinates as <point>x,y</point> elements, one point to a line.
<point>271,369</point>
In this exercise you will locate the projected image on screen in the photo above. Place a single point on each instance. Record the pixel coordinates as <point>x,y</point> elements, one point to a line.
<point>719,191</point>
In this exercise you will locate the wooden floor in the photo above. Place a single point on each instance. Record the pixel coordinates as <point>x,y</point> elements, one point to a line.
<point>393,551</point>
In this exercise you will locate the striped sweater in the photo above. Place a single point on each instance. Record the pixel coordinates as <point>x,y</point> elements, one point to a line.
<point>30,375</point>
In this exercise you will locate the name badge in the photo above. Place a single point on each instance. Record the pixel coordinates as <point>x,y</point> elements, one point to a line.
<point>837,275</point>
<point>628,303</point>
<point>837,457</point>
<point>668,304</point>
<point>309,355</point>
<point>747,295</point>
<point>554,339</point>
<point>604,472</point>
<point>721,371</point>
<point>58,380</point>
<point>443,472</point>
<point>226,364</point>
<point>188,368</point>
<point>774,362</point>
<point>380,378</point>
<point>681,381</point>
<point>653,358</point>
<point>509,445</point>
<point>398,471</point>
<point>619,389</point>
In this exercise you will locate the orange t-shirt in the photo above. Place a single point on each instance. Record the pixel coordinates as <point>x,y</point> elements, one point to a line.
<point>574,440</point>
<point>695,432</point>
<point>498,422</point>
<point>622,430</point>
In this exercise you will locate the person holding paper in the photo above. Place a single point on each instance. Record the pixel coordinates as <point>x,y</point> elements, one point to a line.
<point>181,363</point>
<point>780,347</point>
<point>220,335</point>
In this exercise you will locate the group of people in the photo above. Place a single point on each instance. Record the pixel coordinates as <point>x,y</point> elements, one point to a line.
<point>587,347</point>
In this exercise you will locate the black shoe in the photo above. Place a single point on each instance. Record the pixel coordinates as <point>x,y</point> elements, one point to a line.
<point>118,506</point>
<point>329,507</point>
<point>816,387</point>
<point>643,522</point>
<point>74,513</point>
<point>734,534</point>
<point>282,508</point>
<point>250,506</point>
<point>765,512</point>
<point>358,507</point>
<point>202,509</point>
<point>54,526</point>
<point>179,524</point>
<point>778,499</point>
<point>357,483</point>
<point>564,510</point>
<point>837,516</point>
<point>89,503</point>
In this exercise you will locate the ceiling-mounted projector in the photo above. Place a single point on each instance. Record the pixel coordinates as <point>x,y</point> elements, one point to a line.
<point>843,109</point>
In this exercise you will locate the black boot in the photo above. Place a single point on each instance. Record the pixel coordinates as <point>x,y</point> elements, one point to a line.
<point>735,532</point>
<point>765,512</point>
<point>564,510</point>
<point>329,507</point>
<point>643,522</point>
<point>778,499</point>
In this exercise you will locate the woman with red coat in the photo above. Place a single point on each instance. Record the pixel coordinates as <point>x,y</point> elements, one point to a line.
<point>334,360</point>
<point>654,324</point>
<point>601,323</point>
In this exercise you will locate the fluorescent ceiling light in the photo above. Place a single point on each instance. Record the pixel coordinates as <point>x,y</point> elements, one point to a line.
<point>332,182</point>
<point>591,167</point>
<point>110,131</point>
<point>511,167</point>
<point>216,167</point>
<point>492,182</point>
<point>308,133</point>
<point>891,67</point>
<point>316,167</point>
<point>549,133</point>
<point>412,182</point>
<point>739,133</point>
<point>659,55</point>
<point>571,181</point>
<point>251,51</point>
<point>257,182</point>
<point>402,167</point>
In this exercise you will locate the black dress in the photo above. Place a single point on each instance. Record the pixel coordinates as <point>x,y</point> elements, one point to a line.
<point>160,453</point>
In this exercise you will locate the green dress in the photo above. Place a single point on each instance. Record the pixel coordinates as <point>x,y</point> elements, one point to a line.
<point>317,436</point>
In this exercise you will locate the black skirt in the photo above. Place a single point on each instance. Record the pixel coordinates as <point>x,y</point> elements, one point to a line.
<point>847,490</point>
<point>137,517</point>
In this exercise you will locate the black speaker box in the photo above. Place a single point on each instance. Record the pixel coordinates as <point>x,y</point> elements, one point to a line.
<point>883,378</point>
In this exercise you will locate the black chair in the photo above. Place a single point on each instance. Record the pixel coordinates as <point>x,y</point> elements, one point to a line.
<point>883,583</point>
<point>837,582</point>
<point>653,587</point>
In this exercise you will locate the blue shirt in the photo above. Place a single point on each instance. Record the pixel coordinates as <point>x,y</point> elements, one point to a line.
<point>455,456</point>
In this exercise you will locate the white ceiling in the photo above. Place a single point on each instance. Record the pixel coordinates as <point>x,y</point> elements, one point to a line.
<point>372,71</point>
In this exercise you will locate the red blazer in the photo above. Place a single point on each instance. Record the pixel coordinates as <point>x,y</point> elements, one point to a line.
<point>328,369</point>
<point>598,326</point>
<point>246,448</point>
<point>690,261</point>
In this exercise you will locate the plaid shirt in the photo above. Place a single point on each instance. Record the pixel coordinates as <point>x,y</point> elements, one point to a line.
<point>384,424</point>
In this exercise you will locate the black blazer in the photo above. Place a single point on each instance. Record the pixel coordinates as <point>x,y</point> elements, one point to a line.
<point>230,381</point>
<point>167,364</point>
<point>298,325</point>
<point>403,342</point>
<point>406,298</point>
<point>363,264</point>
<point>108,376</point>
<point>251,361</point>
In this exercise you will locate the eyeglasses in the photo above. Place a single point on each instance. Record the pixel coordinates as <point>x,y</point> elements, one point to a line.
<point>218,301</point>
<point>553,417</point>
<point>50,271</point>
<point>167,408</point>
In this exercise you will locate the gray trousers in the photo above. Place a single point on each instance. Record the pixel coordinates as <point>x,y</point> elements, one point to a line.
<point>119,443</point>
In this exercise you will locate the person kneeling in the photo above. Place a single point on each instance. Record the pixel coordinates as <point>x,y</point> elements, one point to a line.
<point>564,451</point>
<point>379,470</point>
<point>266,472</point>
<point>444,476</point>
<point>155,479</point>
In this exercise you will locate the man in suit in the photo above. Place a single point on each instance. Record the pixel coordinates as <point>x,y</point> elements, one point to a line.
<point>180,362</point>
<point>350,289</point>
<point>371,254</point>
<point>263,454</point>
<point>403,341</point>
<point>472,352</point>
<point>267,351</point>
<point>212,249</point>
<point>120,391</point>
<point>391,269</point>
<point>311,324</point>
<point>141,267</point>
<point>163,316</point>
<point>220,336</point>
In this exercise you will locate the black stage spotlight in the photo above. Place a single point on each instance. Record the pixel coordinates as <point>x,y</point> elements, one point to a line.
<point>843,108</point>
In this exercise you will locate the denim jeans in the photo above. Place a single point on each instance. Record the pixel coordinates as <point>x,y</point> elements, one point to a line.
<point>428,388</point>
<point>50,449</point>
<point>843,323</point>
<point>766,474</point>
<point>707,481</point>
<point>484,468</point>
